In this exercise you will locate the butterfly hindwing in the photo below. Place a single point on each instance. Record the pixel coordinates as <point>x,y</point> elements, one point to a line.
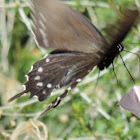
<point>71,80</point>
<point>55,70</point>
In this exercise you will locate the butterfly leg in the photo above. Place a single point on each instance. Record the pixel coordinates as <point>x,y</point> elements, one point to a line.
<point>57,101</point>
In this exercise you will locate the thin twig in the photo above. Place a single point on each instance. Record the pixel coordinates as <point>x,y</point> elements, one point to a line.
<point>92,15</point>
<point>88,3</point>
<point>19,105</point>
<point>4,38</point>
<point>84,3</point>
<point>14,5</point>
<point>69,129</point>
<point>99,109</point>
<point>22,114</point>
<point>137,3</point>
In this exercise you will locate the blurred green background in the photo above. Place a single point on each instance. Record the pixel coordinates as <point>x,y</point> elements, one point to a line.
<point>89,111</point>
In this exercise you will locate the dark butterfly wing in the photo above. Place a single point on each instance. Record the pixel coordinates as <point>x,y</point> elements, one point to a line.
<point>71,80</point>
<point>58,26</point>
<point>116,34</point>
<point>56,70</point>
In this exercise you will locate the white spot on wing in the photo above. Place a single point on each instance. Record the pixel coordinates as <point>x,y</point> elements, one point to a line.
<point>50,105</point>
<point>45,56</point>
<point>24,87</point>
<point>27,77</point>
<point>40,69</point>
<point>31,69</point>
<point>78,80</point>
<point>47,60</point>
<point>49,85</point>
<point>35,96</point>
<point>58,86</point>
<point>44,92</point>
<point>89,71</point>
<point>37,78</point>
<point>58,98</point>
<point>40,84</point>
<point>69,88</point>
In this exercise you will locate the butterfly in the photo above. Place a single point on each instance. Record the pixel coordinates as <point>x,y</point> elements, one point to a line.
<point>79,46</point>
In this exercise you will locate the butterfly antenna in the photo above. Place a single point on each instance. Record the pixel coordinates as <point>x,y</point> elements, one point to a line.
<point>115,73</point>
<point>133,53</point>
<point>127,69</point>
<point>137,56</point>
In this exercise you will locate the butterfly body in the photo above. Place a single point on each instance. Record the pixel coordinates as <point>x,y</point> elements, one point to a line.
<point>110,56</point>
<point>78,44</point>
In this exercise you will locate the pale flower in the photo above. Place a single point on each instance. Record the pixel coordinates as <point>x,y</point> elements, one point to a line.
<point>131,101</point>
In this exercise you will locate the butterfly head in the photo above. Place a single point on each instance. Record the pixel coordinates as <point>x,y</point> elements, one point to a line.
<point>108,59</point>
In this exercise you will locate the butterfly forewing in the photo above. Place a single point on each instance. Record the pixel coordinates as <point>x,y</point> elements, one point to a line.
<point>58,26</point>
